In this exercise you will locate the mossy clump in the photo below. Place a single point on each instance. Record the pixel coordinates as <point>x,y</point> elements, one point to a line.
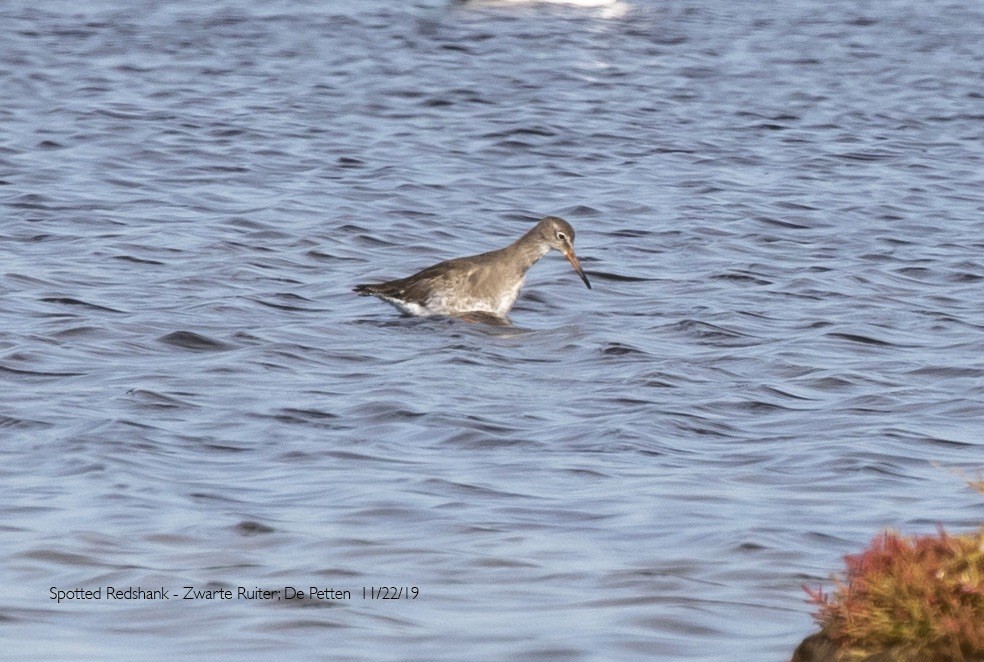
<point>916,599</point>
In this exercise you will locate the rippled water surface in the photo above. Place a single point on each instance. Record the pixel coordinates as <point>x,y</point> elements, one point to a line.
<point>780,206</point>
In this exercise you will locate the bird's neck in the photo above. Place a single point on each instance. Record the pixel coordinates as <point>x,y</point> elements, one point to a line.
<point>526,250</point>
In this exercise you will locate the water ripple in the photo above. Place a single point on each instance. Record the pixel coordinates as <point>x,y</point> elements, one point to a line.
<point>780,207</point>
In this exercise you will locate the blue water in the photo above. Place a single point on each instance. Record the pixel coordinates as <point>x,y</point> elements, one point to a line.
<point>781,210</point>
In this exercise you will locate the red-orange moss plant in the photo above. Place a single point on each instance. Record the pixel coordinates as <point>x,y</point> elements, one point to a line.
<point>919,598</point>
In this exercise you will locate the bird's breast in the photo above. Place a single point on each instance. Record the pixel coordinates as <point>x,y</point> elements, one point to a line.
<point>455,301</point>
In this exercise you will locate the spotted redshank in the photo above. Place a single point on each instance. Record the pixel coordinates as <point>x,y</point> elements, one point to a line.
<point>480,285</point>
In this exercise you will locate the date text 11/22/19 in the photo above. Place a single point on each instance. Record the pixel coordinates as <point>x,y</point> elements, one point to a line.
<point>390,592</point>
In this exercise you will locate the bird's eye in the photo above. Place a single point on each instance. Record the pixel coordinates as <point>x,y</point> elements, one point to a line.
<point>562,236</point>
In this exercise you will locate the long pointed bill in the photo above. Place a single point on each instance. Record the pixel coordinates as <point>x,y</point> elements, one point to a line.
<point>577,266</point>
